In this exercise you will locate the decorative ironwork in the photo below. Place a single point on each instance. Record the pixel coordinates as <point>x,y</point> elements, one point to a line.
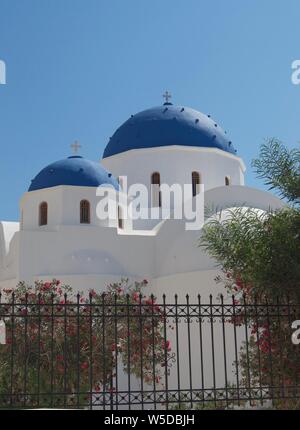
<point>201,367</point>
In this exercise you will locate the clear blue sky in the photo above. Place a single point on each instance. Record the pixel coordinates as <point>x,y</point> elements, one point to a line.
<point>76,69</point>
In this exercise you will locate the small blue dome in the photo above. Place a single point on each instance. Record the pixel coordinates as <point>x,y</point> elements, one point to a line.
<point>76,171</point>
<point>168,125</point>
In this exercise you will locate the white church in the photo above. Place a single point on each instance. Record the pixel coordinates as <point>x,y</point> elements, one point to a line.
<point>60,235</point>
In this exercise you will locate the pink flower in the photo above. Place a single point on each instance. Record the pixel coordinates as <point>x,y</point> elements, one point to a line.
<point>47,286</point>
<point>135,297</point>
<point>150,301</point>
<point>93,293</point>
<point>167,345</point>
<point>239,282</point>
<point>97,388</point>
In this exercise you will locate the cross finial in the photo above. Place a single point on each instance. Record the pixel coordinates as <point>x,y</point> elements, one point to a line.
<point>167,96</point>
<point>75,146</point>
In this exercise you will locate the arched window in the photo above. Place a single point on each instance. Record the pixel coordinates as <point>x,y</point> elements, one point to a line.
<point>85,212</point>
<point>120,218</point>
<point>156,194</point>
<point>195,182</point>
<point>43,214</point>
<point>227,180</point>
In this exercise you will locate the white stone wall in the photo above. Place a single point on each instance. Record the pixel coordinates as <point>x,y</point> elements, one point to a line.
<point>176,164</point>
<point>68,250</point>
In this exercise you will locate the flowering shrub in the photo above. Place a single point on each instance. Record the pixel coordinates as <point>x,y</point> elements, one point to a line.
<point>259,251</point>
<point>269,359</point>
<point>63,347</point>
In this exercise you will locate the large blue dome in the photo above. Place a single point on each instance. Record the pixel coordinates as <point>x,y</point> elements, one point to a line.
<point>75,171</point>
<point>168,125</point>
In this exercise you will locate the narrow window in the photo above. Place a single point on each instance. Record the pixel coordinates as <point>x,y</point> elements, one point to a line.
<point>43,214</point>
<point>85,212</point>
<point>156,194</point>
<point>227,180</point>
<point>120,218</point>
<point>195,182</point>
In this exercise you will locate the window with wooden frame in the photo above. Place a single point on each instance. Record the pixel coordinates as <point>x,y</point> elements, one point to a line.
<point>85,212</point>
<point>156,194</point>
<point>196,180</point>
<point>43,214</point>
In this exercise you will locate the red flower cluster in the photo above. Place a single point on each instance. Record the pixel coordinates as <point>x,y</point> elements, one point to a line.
<point>81,333</point>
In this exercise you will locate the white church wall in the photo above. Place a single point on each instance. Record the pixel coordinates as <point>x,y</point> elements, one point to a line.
<point>9,284</point>
<point>176,164</point>
<point>239,196</point>
<point>93,250</point>
<point>177,249</point>
<point>63,208</point>
<point>72,196</point>
<point>30,204</point>
<point>74,250</point>
<point>7,232</point>
<point>78,252</point>
<point>9,252</point>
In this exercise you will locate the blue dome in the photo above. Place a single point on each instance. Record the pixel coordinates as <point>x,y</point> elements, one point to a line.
<point>76,171</point>
<point>168,125</point>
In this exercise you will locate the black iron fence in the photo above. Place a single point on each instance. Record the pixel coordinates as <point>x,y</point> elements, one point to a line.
<point>112,352</point>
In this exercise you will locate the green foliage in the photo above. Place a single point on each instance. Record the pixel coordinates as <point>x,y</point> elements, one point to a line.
<point>280,169</point>
<point>259,253</point>
<point>261,249</point>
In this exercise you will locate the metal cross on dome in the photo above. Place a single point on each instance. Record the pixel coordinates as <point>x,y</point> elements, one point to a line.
<point>167,96</point>
<point>75,146</point>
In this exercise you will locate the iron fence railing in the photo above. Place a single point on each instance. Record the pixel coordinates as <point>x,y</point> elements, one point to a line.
<point>111,353</point>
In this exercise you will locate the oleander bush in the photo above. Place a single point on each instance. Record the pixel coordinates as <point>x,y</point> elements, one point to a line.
<point>64,348</point>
